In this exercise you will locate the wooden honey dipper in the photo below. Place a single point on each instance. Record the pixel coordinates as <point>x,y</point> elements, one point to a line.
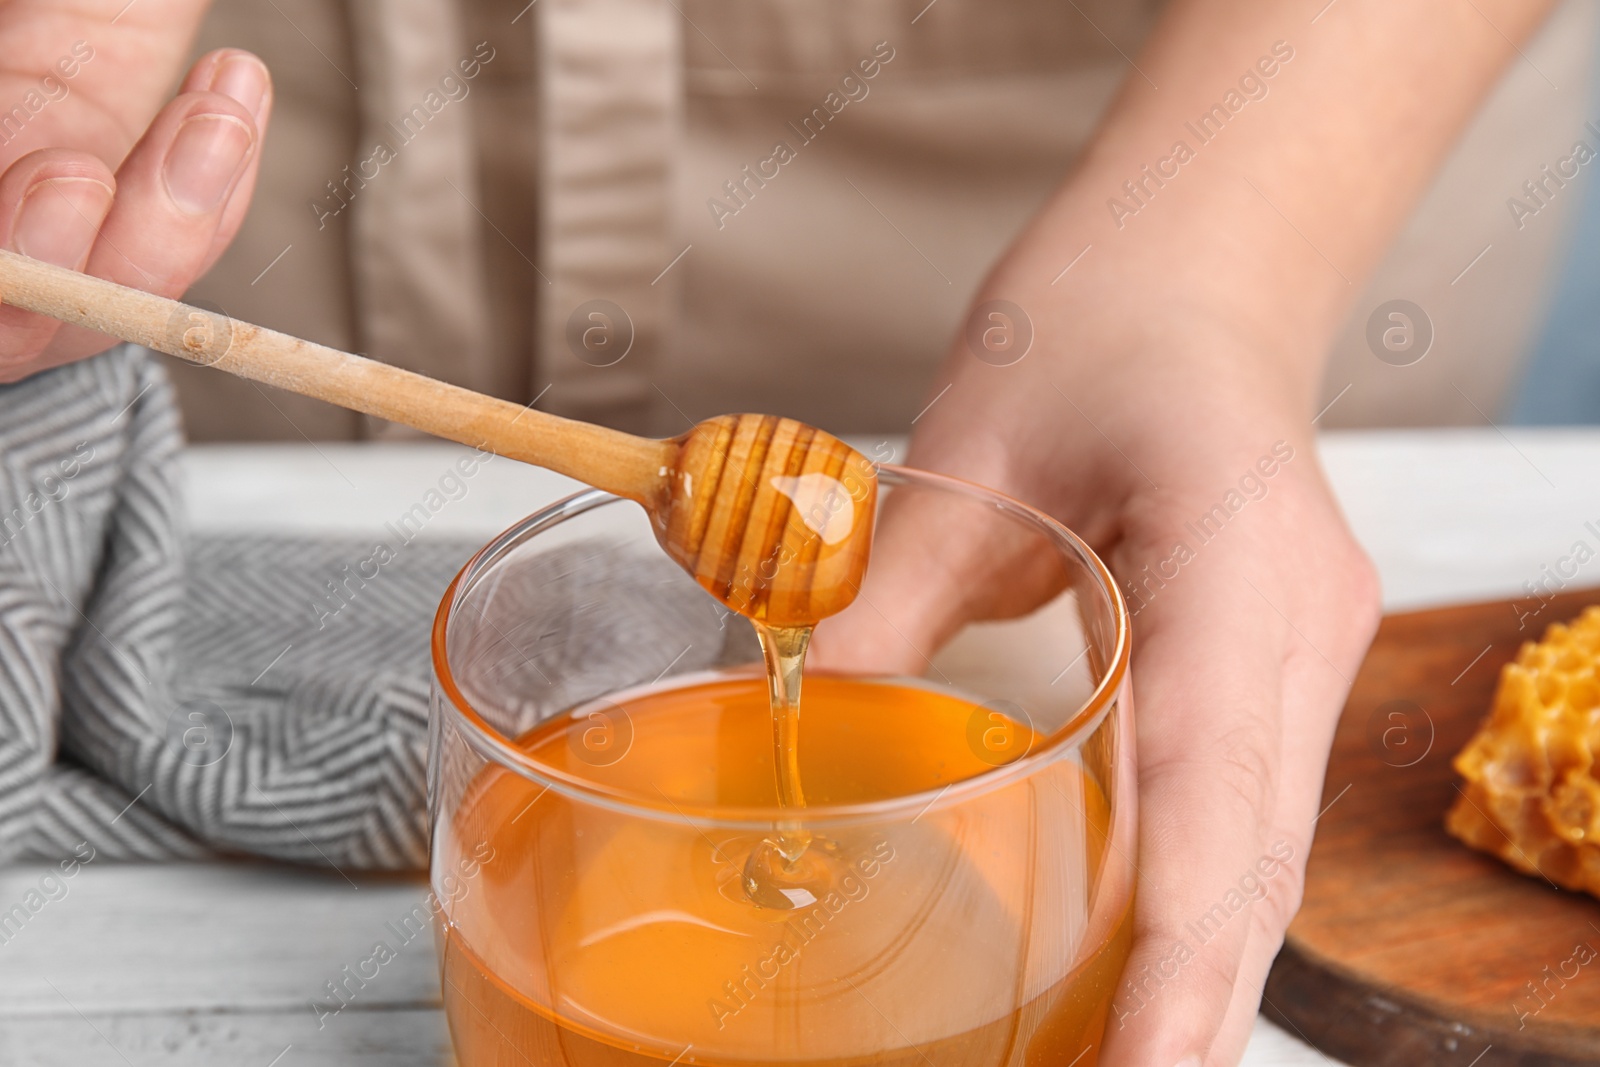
<point>772,517</point>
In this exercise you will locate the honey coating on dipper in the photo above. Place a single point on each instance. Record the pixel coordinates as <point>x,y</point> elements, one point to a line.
<point>771,516</point>
<point>1532,796</point>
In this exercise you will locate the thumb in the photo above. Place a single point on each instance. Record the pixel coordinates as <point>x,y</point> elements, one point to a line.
<point>946,553</point>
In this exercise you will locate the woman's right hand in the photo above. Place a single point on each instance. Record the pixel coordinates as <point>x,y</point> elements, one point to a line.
<point>100,172</point>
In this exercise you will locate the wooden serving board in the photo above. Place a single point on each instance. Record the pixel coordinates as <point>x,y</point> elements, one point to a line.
<point>1411,948</point>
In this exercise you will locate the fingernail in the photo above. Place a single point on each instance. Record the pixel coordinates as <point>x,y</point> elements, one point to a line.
<point>59,218</point>
<point>204,161</point>
<point>244,78</point>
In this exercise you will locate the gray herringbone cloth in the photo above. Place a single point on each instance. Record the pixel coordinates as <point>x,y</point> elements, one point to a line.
<point>161,698</point>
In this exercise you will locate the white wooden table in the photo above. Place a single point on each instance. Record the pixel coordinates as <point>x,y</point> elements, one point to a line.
<point>218,963</point>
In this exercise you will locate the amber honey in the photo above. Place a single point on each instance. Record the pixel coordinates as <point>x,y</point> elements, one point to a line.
<point>618,933</point>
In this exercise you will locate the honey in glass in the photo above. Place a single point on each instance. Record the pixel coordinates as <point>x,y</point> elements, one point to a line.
<point>963,893</point>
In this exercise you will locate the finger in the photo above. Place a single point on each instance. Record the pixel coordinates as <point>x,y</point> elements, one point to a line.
<point>1230,784</point>
<point>51,205</point>
<point>1307,735</point>
<point>1233,1037</point>
<point>942,556</point>
<point>243,77</point>
<point>172,193</point>
<point>938,563</point>
<point>1207,684</point>
<point>1320,659</point>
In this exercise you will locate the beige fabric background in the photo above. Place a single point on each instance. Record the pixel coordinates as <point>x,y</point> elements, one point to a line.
<point>580,162</point>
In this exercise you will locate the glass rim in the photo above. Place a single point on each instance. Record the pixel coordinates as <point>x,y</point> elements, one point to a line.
<point>491,744</point>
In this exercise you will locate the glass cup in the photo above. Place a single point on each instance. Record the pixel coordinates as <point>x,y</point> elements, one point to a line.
<point>600,777</point>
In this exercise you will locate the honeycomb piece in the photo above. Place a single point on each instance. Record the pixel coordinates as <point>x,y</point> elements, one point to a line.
<point>1532,792</point>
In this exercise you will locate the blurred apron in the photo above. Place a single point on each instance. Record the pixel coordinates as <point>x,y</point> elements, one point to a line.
<point>646,212</point>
